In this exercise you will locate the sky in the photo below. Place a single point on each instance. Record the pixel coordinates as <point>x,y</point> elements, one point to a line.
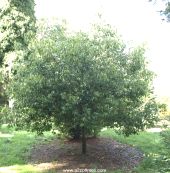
<point>138,22</point>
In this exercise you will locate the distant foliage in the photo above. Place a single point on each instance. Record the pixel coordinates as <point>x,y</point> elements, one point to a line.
<point>17,28</point>
<point>166,11</point>
<point>17,25</point>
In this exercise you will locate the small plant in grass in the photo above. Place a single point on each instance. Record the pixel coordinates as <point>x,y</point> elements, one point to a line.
<point>166,139</point>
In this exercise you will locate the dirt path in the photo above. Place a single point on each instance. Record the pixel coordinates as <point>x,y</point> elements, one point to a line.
<point>102,153</point>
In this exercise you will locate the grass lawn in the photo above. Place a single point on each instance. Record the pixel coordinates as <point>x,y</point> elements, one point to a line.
<point>15,147</point>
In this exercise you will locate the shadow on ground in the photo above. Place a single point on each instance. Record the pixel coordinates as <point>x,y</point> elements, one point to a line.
<point>102,153</point>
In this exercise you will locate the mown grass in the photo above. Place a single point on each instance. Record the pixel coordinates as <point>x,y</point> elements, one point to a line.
<point>15,148</point>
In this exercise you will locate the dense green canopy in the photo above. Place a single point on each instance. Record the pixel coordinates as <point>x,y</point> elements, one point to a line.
<point>86,80</point>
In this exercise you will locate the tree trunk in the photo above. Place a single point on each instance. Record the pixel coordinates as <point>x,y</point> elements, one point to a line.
<point>83,141</point>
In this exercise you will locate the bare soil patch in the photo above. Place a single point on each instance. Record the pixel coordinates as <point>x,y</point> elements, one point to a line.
<point>102,153</point>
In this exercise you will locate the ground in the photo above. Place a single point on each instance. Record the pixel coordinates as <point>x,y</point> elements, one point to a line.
<point>102,153</point>
<point>25,152</point>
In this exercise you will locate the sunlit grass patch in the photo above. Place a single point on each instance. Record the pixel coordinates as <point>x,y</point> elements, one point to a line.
<point>15,145</point>
<point>13,149</point>
<point>149,142</point>
<point>19,169</point>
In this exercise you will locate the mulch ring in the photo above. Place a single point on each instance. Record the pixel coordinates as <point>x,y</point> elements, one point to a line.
<point>102,153</point>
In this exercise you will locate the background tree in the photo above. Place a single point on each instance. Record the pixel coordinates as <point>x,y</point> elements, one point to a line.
<point>86,80</point>
<point>17,25</point>
<point>166,11</point>
<point>17,28</point>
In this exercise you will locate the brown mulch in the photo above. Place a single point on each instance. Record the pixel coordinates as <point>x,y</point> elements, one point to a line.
<point>102,153</point>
